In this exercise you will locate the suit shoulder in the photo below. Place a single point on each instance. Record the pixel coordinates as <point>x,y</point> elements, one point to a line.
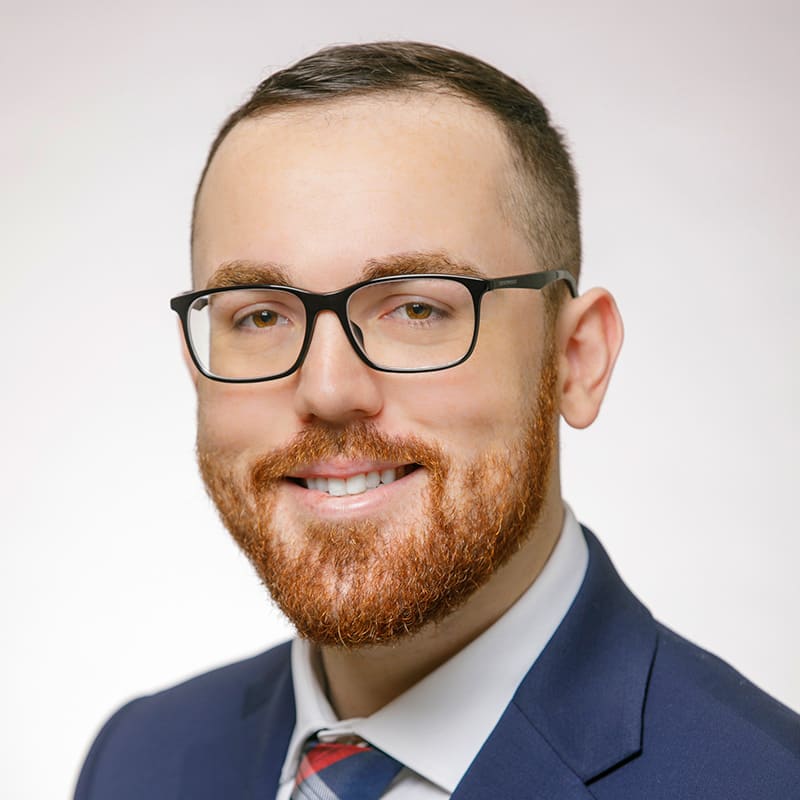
<point>212,696</point>
<point>221,688</point>
<point>718,689</point>
<point>709,732</point>
<point>150,735</point>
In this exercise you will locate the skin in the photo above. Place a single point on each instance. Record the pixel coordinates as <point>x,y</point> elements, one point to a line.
<point>325,191</point>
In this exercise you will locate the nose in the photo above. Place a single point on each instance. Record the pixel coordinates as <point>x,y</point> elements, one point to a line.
<point>334,385</point>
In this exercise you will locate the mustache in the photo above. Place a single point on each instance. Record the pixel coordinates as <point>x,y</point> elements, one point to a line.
<point>359,440</point>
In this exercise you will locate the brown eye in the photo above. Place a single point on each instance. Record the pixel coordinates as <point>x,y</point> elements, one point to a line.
<point>264,318</point>
<point>417,310</point>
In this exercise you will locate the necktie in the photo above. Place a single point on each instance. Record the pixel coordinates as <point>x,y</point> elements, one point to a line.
<point>339,771</point>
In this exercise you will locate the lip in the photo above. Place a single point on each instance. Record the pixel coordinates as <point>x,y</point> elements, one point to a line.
<point>373,502</point>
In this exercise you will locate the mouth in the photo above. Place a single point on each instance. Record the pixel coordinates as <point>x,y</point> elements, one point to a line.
<point>353,483</point>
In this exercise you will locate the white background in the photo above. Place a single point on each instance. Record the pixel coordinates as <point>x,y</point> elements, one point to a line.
<point>116,576</point>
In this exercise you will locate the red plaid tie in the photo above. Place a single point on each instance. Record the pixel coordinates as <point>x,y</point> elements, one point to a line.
<point>343,772</point>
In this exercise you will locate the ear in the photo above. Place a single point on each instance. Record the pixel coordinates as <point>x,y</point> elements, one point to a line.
<point>589,335</point>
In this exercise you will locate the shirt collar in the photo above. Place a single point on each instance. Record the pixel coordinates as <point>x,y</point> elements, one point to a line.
<point>415,726</point>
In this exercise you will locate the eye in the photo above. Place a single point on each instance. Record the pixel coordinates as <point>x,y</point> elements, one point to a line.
<point>255,318</point>
<point>262,319</point>
<point>417,310</point>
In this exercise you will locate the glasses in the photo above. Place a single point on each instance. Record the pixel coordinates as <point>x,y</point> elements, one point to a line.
<point>400,323</point>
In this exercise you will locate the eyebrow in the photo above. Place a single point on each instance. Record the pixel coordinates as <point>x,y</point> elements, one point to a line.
<point>243,272</point>
<point>417,264</point>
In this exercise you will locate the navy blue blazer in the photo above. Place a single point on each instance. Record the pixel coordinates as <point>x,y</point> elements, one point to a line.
<point>617,707</point>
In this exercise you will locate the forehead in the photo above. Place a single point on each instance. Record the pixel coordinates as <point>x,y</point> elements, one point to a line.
<point>321,190</point>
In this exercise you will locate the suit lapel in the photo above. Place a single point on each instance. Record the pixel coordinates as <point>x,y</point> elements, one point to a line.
<point>244,760</point>
<point>578,712</point>
<point>516,761</point>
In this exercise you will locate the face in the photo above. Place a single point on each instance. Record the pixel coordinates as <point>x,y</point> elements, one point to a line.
<point>319,197</point>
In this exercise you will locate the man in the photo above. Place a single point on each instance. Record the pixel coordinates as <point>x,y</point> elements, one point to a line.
<point>384,330</point>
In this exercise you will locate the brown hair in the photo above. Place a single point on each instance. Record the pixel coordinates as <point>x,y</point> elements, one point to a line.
<point>544,199</point>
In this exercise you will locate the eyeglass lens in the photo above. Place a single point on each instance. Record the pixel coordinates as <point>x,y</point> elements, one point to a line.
<point>408,324</point>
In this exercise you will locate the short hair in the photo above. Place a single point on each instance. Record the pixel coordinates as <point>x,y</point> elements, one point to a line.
<point>545,196</point>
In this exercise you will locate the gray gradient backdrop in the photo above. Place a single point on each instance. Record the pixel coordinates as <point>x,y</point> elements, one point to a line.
<point>116,576</point>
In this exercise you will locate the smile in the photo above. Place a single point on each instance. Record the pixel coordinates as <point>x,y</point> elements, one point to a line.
<point>357,483</point>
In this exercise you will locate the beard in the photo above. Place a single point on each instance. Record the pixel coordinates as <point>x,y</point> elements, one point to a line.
<point>372,581</point>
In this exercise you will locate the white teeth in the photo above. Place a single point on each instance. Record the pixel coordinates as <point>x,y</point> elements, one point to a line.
<point>337,487</point>
<point>355,484</point>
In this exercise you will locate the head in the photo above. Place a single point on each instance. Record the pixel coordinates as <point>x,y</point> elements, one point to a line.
<point>541,192</point>
<point>384,159</point>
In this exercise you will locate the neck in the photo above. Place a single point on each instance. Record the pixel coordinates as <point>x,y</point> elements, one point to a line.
<point>361,681</point>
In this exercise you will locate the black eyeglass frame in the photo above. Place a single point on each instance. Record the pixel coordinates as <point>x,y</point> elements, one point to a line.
<point>337,302</point>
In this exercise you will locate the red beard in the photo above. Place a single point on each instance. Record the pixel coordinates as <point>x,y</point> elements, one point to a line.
<point>354,584</point>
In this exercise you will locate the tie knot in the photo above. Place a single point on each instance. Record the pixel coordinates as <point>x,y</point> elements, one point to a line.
<point>343,771</point>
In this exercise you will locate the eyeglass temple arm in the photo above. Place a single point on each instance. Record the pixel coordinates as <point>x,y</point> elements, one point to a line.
<point>536,280</point>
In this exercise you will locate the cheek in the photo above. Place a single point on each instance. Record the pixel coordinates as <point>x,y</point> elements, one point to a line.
<point>240,419</point>
<point>474,407</point>
<point>483,403</point>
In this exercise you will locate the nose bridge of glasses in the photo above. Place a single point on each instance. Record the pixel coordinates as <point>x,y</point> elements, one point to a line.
<point>335,303</point>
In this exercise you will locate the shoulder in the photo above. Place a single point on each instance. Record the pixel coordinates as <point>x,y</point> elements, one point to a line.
<point>709,732</point>
<point>686,723</point>
<point>211,699</point>
<point>145,743</point>
<point>702,691</point>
